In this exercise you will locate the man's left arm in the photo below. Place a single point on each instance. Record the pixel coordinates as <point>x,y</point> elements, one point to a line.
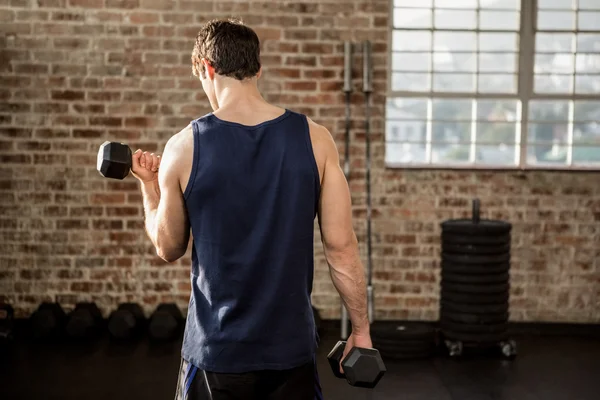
<point>166,218</point>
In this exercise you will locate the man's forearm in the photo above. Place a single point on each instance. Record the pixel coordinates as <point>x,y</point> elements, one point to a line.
<point>151,199</point>
<point>347,274</point>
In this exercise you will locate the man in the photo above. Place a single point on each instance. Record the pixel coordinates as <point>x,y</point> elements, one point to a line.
<point>249,179</point>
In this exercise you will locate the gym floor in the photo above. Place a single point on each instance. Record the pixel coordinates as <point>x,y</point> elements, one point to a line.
<point>547,368</point>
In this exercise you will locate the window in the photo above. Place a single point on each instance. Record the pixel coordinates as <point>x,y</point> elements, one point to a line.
<point>494,84</point>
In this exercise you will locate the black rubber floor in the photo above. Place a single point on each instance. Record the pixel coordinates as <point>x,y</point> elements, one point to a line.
<point>547,368</point>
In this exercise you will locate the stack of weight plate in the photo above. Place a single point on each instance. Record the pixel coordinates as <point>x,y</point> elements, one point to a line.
<point>474,301</point>
<point>403,340</point>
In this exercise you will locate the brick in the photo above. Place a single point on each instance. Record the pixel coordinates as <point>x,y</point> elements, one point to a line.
<point>15,28</point>
<point>300,34</point>
<point>125,4</point>
<point>177,19</point>
<point>68,16</point>
<point>143,18</point>
<point>68,95</point>
<point>318,48</point>
<point>48,133</point>
<point>14,107</point>
<point>71,43</point>
<point>122,211</point>
<point>309,61</point>
<point>105,121</point>
<point>107,198</point>
<point>33,146</point>
<point>68,120</point>
<point>86,3</point>
<point>15,158</point>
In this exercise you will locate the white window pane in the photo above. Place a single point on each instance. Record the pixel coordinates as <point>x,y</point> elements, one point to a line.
<point>411,41</point>
<point>412,18</point>
<point>455,41</point>
<point>553,84</point>
<point>406,131</point>
<point>556,20</point>
<point>549,110</point>
<point>410,81</point>
<point>420,62</point>
<point>548,133</point>
<point>589,21</point>
<point>500,154</point>
<point>454,62</point>
<point>497,83</point>
<point>554,42</point>
<point>451,132</point>
<point>588,42</point>
<point>450,154</point>
<point>498,41</point>
<point>406,108</point>
<point>505,4</point>
<point>455,3</point>
<point>497,110</point>
<point>498,62</point>
<point>586,133</point>
<point>586,155</point>
<point>555,4</point>
<point>588,63</point>
<point>589,5</point>
<point>554,63</point>
<point>452,109</point>
<point>547,155</point>
<point>499,20</point>
<point>413,3</point>
<point>587,84</point>
<point>405,153</point>
<point>496,132</point>
<point>587,111</point>
<point>455,19</point>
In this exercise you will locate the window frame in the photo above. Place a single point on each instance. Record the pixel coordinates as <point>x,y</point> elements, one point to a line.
<point>527,32</point>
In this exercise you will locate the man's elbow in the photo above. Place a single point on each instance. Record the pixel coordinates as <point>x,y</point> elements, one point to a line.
<point>170,254</point>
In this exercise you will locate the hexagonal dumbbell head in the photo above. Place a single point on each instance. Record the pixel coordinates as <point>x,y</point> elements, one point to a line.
<point>114,160</point>
<point>335,357</point>
<point>363,367</point>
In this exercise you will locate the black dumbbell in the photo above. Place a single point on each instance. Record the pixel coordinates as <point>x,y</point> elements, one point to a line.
<point>362,367</point>
<point>84,322</point>
<point>6,323</point>
<point>165,322</point>
<point>126,322</point>
<point>114,160</point>
<point>47,322</point>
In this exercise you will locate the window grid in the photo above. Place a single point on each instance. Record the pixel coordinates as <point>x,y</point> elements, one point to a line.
<point>525,57</point>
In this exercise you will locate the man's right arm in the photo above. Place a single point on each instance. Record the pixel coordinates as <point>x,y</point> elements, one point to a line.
<point>337,234</point>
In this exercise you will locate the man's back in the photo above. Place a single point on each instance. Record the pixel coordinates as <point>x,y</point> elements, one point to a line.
<point>251,199</point>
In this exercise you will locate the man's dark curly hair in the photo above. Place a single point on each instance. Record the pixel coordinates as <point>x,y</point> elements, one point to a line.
<point>232,48</point>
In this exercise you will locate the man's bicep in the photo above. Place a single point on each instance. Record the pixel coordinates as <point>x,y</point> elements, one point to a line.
<point>335,208</point>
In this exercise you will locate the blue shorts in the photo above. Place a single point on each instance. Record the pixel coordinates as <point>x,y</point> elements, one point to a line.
<point>300,383</point>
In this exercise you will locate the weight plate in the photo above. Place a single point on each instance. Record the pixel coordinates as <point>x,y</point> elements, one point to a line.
<point>476,279</point>
<point>471,318</point>
<point>476,337</point>
<point>449,326</point>
<point>469,298</point>
<point>482,227</point>
<point>402,330</point>
<point>453,238</point>
<point>475,249</point>
<point>474,288</point>
<point>475,259</point>
<point>475,308</point>
<point>475,268</point>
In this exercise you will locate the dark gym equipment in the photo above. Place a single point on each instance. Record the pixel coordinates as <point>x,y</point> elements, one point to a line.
<point>404,340</point>
<point>126,322</point>
<point>84,322</point>
<point>362,367</point>
<point>47,322</point>
<point>347,92</point>
<point>165,322</point>
<point>114,160</point>
<point>6,323</point>
<point>475,287</point>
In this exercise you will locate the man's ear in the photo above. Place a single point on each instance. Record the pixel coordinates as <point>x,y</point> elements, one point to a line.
<point>207,71</point>
<point>259,74</point>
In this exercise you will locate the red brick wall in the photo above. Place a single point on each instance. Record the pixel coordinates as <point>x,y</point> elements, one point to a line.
<point>74,73</point>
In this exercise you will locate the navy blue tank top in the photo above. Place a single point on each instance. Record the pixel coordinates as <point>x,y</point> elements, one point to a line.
<point>252,201</point>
